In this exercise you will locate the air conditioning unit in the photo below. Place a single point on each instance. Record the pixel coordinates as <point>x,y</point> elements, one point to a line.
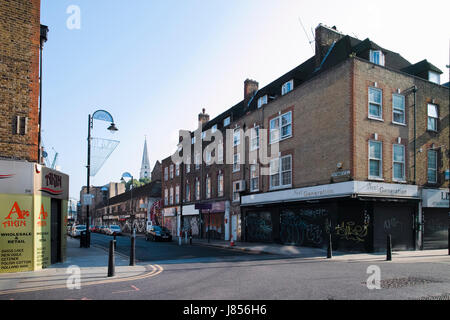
<point>239,186</point>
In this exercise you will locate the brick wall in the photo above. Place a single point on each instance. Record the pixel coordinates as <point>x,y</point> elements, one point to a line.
<point>19,77</point>
<point>390,82</point>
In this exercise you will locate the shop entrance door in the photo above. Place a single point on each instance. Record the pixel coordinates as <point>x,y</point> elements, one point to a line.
<point>55,231</point>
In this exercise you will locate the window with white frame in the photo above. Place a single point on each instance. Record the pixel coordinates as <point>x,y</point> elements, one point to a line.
<point>398,109</point>
<point>236,137</point>
<point>208,157</point>
<point>433,116</point>
<point>214,128</point>
<point>432,166</point>
<point>236,197</point>
<point>188,164</point>
<point>377,57</point>
<point>208,187</point>
<point>399,162</point>
<point>171,171</point>
<point>434,77</point>
<point>262,101</point>
<point>375,103</point>
<point>197,189</point>
<point>281,172</point>
<point>171,195</point>
<point>375,160</point>
<point>198,161</point>
<point>281,127</point>
<point>236,162</point>
<point>166,173</point>
<point>287,87</point>
<point>220,153</point>
<point>166,197</point>
<point>254,178</point>
<point>220,185</point>
<point>177,194</point>
<point>227,121</point>
<point>254,138</point>
<point>177,170</point>
<point>188,192</point>
<point>193,140</point>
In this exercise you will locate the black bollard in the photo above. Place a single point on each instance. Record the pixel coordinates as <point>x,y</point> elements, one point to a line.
<point>389,248</point>
<point>190,240</point>
<point>115,243</point>
<point>133,251</point>
<point>330,248</point>
<point>449,241</point>
<point>111,263</point>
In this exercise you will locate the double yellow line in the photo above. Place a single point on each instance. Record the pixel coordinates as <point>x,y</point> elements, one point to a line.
<point>156,269</point>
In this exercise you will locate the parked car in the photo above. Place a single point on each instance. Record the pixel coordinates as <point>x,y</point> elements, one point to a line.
<point>157,233</point>
<point>114,230</point>
<point>103,229</point>
<point>69,229</point>
<point>76,230</point>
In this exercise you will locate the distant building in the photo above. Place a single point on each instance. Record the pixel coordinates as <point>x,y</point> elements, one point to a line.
<point>145,166</point>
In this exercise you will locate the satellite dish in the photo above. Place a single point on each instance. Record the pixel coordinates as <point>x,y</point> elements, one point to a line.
<point>44,154</point>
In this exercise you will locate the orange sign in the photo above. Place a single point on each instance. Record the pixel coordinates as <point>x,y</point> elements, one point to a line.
<point>20,221</point>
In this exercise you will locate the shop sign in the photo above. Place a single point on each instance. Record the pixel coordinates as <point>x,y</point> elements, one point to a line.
<point>435,198</point>
<point>336,190</point>
<point>16,233</point>
<point>190,210</point>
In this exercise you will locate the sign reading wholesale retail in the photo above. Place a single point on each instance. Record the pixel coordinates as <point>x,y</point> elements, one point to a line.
<point>343,189</point>
<point>16,233</point>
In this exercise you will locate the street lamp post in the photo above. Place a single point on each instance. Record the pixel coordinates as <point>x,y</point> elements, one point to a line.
<point>104,116</point>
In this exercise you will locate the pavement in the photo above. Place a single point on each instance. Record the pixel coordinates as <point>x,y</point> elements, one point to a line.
<point>91,264</point>
<point>317,253</point>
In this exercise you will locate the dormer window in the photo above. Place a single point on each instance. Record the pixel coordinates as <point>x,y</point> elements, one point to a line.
<point>377,57</point>
<point>262,101</point>
<point>287,87</point>
<point>226,122</point>
<point>214,128</point>
<point>434,77</point>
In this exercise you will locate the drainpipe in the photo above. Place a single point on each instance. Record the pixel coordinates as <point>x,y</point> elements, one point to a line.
<point>415,129</point>
<point>43,39</point>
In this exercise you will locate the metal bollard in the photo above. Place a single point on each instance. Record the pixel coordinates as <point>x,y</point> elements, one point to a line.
<point>190,240</point>
<point>111,263</point>
<point>330,248</point>
<point>389,248</point>
<point>115,242</point>
<point>133,251</point>
<point>449,241</point>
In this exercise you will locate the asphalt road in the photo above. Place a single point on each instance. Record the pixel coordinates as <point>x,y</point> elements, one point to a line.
<point>151,252</point>
<point>203,273</point>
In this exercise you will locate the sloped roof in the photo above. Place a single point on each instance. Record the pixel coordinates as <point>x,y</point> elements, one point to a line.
<point>420,67</point>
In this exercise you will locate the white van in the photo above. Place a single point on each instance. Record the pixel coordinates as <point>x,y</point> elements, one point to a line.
<point>149,226</point>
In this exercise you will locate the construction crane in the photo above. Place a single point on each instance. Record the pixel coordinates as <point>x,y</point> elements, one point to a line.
<point>53,166</point>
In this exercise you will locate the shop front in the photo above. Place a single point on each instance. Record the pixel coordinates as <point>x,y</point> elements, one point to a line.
<point>436,218</point>
<point>191,221</point>
<point>33,216</point>
<point>170,220</point>
<point>215,225</point>
<point>359,215</point>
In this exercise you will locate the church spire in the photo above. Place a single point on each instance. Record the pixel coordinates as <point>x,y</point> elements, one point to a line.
<point>145,167</point>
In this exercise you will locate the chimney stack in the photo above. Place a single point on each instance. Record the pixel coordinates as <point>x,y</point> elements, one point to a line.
<point>203,118</point>
<point>325,37</point>
<point>250,87</point>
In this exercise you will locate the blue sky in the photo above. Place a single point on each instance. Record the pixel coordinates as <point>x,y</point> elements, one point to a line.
<point>155,64</point>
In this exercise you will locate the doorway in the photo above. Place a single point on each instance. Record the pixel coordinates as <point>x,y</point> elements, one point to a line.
<point>56,231</point>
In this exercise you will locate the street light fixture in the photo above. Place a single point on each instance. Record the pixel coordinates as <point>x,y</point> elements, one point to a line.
<point>130,176</point>
<point>103,116</point>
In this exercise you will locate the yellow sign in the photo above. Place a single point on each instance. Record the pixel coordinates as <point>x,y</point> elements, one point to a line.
<point>16,233</point>
<point>42,227</point>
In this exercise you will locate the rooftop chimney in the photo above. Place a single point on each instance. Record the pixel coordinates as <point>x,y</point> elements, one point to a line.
<point>325,37</point>
<point>203,118</point>
<point>250,87</point>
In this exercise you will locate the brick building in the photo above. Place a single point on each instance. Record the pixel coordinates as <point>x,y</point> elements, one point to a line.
<point>33,198</point>
<point>20,40</point>
<point>363,152</point>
